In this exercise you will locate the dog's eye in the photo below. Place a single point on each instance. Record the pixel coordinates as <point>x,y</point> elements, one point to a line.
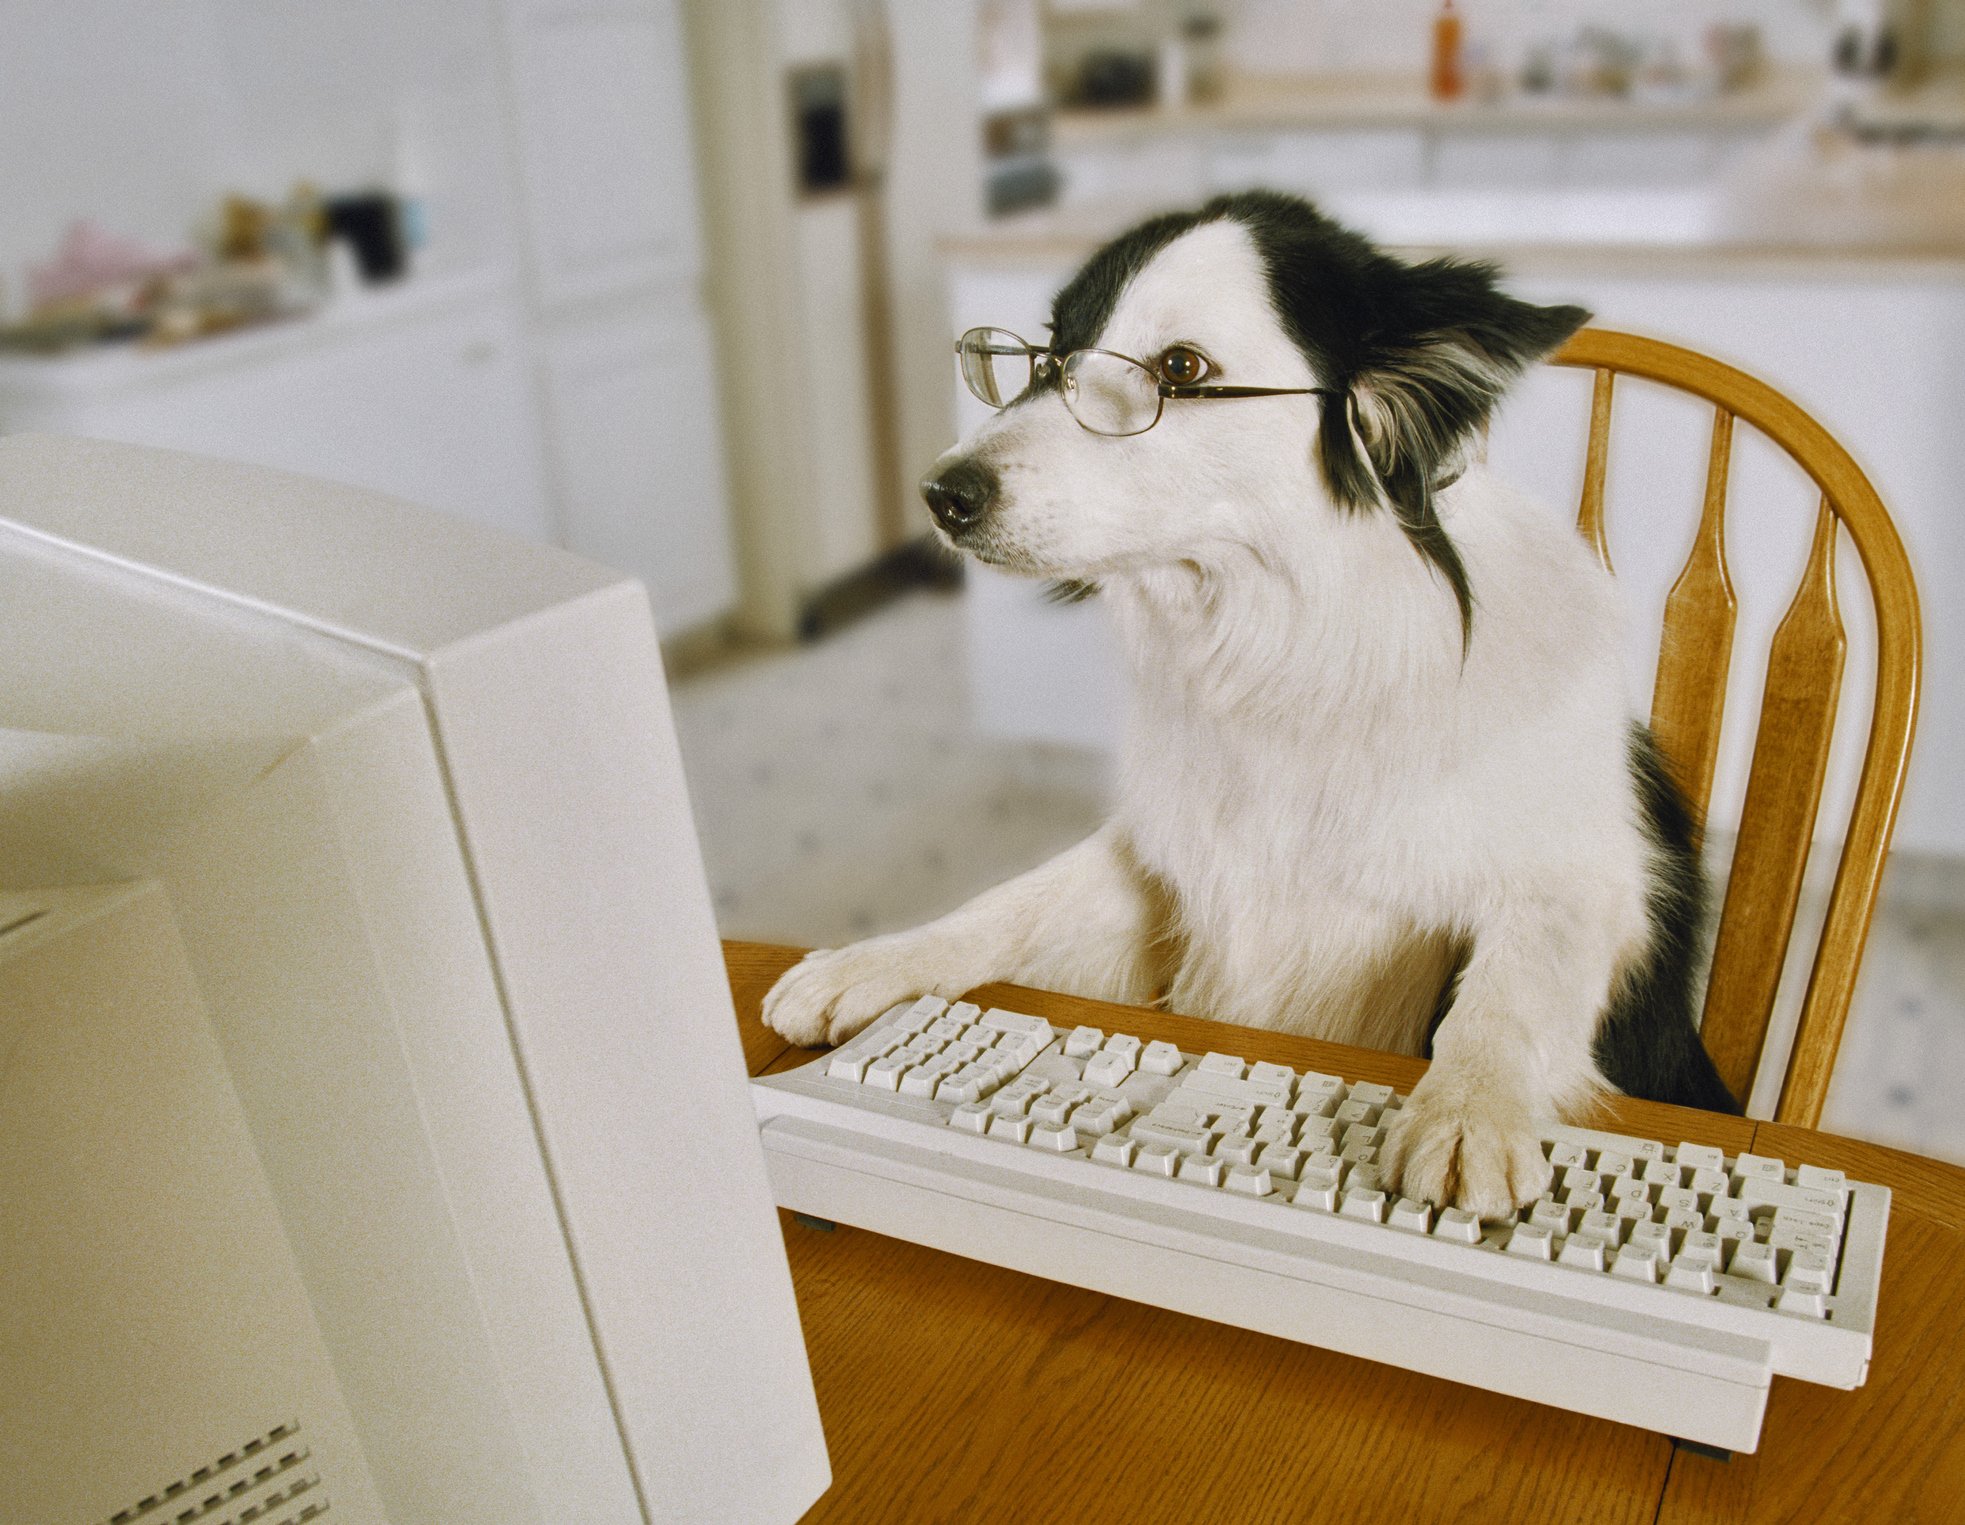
<point>1181,367</point>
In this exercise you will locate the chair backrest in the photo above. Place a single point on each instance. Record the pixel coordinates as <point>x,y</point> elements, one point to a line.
<point>1797,718</point>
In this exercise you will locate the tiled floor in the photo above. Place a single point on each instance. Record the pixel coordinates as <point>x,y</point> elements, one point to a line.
<point>840,791</point>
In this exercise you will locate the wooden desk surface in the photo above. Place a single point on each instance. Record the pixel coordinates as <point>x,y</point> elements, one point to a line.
<point>956,1391</point>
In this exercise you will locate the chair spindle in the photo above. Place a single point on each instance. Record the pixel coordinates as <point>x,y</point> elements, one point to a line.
<point>1777,820</point>
<point>1589,516</point>
<point>1689,698</point>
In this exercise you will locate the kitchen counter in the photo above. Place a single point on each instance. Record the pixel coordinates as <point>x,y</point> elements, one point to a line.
<point>1267,104</point>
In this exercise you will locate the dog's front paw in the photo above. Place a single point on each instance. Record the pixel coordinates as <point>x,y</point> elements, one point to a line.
<point>831,994</point>
<point>1457,1146</point>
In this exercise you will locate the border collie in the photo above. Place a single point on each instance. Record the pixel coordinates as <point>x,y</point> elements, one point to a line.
<point>1381,785</point>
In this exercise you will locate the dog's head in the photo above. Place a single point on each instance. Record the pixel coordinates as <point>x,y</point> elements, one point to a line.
<point>1257,290</point>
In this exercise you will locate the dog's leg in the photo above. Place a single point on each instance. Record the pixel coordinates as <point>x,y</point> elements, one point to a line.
<point>1085,923</point>
<point>1512,1053</point>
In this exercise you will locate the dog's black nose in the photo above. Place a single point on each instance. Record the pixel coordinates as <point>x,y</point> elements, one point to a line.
<point>960,494</point>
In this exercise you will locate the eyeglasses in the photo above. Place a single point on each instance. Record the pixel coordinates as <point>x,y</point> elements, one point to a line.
<point>1108,393</point>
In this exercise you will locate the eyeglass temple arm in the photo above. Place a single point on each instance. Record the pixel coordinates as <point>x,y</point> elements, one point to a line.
<point>1168,389</point>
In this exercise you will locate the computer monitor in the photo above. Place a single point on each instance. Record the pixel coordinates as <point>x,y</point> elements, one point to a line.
<point>375,1141</point>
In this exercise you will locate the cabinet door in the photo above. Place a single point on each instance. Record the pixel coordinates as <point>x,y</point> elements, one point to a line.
<point>436,408</point>
<point>638,458</point>
<point>601,105</point>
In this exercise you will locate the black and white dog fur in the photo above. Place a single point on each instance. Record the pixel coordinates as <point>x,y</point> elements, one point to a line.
<point>1381,784</point>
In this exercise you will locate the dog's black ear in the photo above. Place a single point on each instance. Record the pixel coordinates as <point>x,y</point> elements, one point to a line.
<point>1444,344</point>
<point>1440,344</point>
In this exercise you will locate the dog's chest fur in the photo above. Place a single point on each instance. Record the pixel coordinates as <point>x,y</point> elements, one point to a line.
<point>1326,790</point>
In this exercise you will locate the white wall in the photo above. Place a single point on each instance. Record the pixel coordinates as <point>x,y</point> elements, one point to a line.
<point>140,113</point>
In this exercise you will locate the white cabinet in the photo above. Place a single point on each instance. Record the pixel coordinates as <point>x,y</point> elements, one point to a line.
<point>600,115</point>
<point>421,391</point>
<point>600,102</point>
<point>632,402</point>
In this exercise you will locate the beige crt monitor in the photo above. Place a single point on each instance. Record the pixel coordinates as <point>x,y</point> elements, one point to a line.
<point>375,1143</point>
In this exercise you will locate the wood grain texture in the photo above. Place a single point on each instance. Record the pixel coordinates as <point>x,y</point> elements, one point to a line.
<point>1892,720</point>
<point>1688,700</point>
<point>1589,513</point>
<point>1777,821</point>
<point>955,1391</point>
<point>1892,1450</point>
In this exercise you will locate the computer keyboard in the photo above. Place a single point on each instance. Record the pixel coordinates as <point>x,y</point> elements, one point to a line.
<point>1655,1284</point>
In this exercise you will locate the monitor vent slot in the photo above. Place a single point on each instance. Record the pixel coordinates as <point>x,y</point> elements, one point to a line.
<point>266,1481</point>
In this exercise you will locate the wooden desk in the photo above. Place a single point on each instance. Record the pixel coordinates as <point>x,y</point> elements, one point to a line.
<point>955,1391</point>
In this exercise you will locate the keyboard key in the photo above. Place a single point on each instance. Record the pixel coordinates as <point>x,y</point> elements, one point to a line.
<point>1616,1143</point>
<point>1371,1092</point>
<point>1765,1191</point>
<point>1236,1149</point>
<point>1016,1022</point>
<point>1318,1095</point>
<point>921,1013</point>
<point>1157,1159</point>
<point>1318,1188</point>
<point>1083,1042</point>
<point>1807,1304</point>
<point>848,1066</point>
<point>1186,1140</point>
<point>965,1012</point>
<point>1457,1224</point>
<point>1809,1271</point>
<point>1202,1170</point>
<point>1553,1216</point>
<point>1122,1043</point>
<point>1818,1179</point>
<point>1014,1129</point>
<point>1408,1214</point>
<point>1222,1064</point>
<point>1111,1150</point>
<point>1690,1275</point>
<point>1699,1157</point>
<point>1098,1118</point>
<point>1752,1262</point>
<point>1533,1241</point>
<point>1227,1088</point>
<point>1758,1167</point>
<point>1250,1180</point>
<point>1634,1263</point>
<point>971,1117</point>
<point>922,1079</point>
<point>1159,1058</point>
<point>1054,1138</point>
<point>885,1072</point>
<point>1366,1202</point>
<point>1281,1160</point>
<point>1106,1068</point>
<point>1569,1156</point>
<point>1577,1250</point>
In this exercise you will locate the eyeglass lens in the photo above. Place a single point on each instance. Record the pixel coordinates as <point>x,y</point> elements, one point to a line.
<point>1106,393</point>
<point>1110,394</point>
<point>996,365</point>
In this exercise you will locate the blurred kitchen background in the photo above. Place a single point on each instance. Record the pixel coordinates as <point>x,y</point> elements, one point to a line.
<point>673,284</point>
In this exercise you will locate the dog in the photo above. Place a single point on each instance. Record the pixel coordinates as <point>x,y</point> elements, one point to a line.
<point>1380,783</point>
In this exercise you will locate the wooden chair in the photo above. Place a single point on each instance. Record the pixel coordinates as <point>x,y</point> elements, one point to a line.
<point>1804,676</point>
